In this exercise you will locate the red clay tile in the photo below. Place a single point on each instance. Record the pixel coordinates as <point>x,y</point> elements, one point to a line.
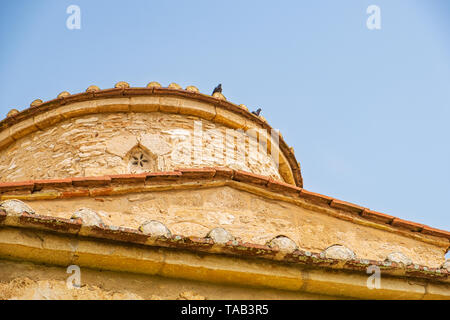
<point>106,93</point>
<point>128,178</point>
<point>370,214</point>
<point>13,186</point>
<point>76,97</point>
<point>222,173</point>
<point>46,104</point>
<point>171,91</point>
<point>315,196</point>
<point>280,186</point>
<point>347,206</point>
<point>137,91</point>
<point>91,181</point>
<point>243,176</point>
<point>435,232</point>
<point>203,173</point>
<point>39,184</point>
<point>407,224</point>
<point>163,176</point>
<point>206,173</point>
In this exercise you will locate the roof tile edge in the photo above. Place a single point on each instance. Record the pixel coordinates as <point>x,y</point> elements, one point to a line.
<point>102,185</point>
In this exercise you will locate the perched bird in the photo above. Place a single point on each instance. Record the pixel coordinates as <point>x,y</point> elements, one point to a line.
<point>217,89</point>
<point>257,112</point>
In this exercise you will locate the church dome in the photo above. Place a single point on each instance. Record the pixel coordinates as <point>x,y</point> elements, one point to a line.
<point>135,130</point>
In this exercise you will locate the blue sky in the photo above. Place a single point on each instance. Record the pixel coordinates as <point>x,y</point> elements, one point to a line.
<point>367,111</point>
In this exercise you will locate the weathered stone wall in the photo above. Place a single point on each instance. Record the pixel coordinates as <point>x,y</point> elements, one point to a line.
<point>252,218</point>
<point>118,143</point>
<point>19,280</point>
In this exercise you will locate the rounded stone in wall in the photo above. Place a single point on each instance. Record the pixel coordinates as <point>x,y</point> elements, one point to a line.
<point>339,252</point>
<point>220,235</point>
<point>283,243</point>
<point>155,228</point>
<point>398,257</point>
<point>15,207</point>
<point>88,216</point>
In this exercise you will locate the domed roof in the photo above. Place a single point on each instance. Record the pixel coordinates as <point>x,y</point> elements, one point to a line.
<point>138,129</point>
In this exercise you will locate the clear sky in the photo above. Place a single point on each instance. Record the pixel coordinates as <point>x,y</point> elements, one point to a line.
<point>367,111</point>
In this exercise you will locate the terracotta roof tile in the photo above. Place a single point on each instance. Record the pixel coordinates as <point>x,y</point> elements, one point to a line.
<point>104,186</point>
<point>280,186</point>
<point>397,222</point>
<point>346,206</point>
<point>315,196</point>
<point>137,91</point>
<point>163,176</point>
<point>223,173</point>
<point>435,232</point>
<point>74,97</point>
<point>107,93</point>
<point>12,186</point>
<point>194,173</point>
<point>89,181</point>
<point>244,176</point>
<point>367,213</point>
<point>39,184</point>
<point>128,178</point>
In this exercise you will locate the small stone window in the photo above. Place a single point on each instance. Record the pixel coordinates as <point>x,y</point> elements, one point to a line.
<point>141,161</point>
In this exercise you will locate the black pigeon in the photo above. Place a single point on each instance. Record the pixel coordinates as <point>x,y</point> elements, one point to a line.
<point>257,112</point>
<point>217,89</point>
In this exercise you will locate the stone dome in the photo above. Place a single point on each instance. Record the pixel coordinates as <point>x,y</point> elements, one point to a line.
<point>133,130</point>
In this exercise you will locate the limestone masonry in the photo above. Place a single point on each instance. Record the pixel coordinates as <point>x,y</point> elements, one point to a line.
<point>167,193</point>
